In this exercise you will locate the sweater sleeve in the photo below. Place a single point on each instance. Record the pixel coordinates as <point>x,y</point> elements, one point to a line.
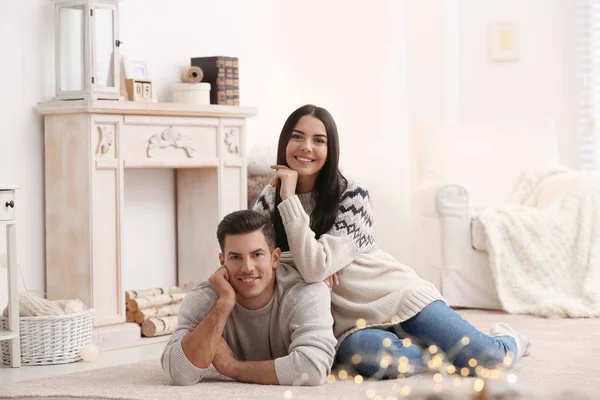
<point>195,306</point>
<point>350,235</point>
<point>265,203</point>
<point>312,348</point>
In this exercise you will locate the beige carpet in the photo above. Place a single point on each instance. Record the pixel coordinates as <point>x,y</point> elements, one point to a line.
<point>564,364</point>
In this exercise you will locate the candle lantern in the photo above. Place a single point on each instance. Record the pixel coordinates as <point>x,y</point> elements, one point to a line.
<point>87,49</point>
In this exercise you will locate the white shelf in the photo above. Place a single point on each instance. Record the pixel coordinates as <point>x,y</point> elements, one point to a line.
<point>6,335</point>
<point>141,108</point>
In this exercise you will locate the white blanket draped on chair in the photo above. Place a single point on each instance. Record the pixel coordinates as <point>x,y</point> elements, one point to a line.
<point>544,246</point>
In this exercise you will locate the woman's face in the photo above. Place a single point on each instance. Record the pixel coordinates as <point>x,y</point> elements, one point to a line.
<point>306,151</point>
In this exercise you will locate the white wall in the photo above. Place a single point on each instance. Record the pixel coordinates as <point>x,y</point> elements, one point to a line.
<point>541,85</point>
<point>25,40</point>
<point>355,64</point>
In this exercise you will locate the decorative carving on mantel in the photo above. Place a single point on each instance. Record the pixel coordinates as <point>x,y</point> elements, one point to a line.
<point>169,138</point>
<point>232,141</point>
<point>106,138</point>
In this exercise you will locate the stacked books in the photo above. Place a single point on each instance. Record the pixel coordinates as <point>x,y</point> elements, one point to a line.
<point>223,75</point>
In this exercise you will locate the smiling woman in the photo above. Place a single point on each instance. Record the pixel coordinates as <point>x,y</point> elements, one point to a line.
<point>380,306</point>
<point>306,151</point>
<point>309,150</point>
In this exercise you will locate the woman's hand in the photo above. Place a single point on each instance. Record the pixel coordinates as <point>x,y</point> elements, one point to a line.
<point>288,178</point>
<point>332,280</point>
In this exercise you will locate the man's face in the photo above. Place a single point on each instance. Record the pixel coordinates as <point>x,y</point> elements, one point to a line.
<point>251,267</point>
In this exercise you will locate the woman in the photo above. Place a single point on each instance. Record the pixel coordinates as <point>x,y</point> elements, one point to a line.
<point>385,314</point>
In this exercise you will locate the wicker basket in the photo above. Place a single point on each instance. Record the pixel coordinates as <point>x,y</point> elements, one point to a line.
<point>51,339</point>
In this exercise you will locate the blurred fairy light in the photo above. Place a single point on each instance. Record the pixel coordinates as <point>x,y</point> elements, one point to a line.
<point>385,362</point>
<point>445,374</point>
<point>287,394</point>
<point>478,385</point>
<point>304,376</point>
<point>361,323</point>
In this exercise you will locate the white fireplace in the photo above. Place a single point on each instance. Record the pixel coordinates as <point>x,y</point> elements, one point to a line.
<point>89,145</point>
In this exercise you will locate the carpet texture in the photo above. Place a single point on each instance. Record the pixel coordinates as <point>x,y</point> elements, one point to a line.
<point>564,364</point>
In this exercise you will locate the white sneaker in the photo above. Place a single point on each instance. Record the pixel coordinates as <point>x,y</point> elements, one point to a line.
<point>523,342</point>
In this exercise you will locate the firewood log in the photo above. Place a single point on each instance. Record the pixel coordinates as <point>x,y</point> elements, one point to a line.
<point>154,301</point>
<point>155,312</point>
<point>134,294</point>
<point>129,316</point>
<point>159,326</point>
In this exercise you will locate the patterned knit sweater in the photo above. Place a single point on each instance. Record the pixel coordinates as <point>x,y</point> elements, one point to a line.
<point>375,290</point>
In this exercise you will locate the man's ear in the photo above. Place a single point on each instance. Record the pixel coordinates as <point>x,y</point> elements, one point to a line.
<point>275,256</point>
<point>221,259</point>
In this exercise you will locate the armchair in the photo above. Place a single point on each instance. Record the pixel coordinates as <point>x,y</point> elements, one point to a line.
<point>458,170</point>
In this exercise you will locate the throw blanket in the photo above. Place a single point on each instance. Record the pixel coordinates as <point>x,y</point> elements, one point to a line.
<point>544,246</point>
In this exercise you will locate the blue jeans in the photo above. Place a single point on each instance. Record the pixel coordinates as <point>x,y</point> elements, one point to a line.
<point>403,348</point>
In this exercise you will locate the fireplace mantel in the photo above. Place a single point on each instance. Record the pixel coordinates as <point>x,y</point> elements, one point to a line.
<point>89,144</point>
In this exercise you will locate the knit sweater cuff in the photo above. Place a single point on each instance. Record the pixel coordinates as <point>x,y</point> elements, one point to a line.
<point>285,371</point>
<point>182,370</point>
<point>291,209</point>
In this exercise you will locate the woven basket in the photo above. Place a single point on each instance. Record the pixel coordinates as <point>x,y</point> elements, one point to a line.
<point>50,340</point>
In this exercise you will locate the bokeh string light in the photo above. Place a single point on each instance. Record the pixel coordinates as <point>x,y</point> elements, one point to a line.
<point>447,378</point>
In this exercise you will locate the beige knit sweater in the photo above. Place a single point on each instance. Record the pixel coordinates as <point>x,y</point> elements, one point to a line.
<point>375,290</point>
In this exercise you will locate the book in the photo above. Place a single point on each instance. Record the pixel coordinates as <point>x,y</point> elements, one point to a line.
<point>229,80</point>
<point>236,82</point>
<point>214,73</point>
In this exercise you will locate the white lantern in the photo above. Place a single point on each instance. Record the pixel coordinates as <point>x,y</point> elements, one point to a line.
<point>87,49</point>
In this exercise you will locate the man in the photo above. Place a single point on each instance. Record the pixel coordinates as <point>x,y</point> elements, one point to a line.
<point>255,319</point>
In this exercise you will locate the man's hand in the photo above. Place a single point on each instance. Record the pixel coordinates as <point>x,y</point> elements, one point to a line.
<point>224,359</point>
<point>219,282</point>
<point>288,178</point>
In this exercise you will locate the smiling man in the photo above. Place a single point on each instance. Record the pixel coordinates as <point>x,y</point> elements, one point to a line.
<point>255,319</point>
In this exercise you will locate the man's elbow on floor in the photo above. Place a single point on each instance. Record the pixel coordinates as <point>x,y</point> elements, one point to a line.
<point>315,377</point>
<point>178,380</point>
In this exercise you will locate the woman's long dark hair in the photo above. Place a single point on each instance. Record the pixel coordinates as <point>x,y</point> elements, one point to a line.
<point>330,183</point>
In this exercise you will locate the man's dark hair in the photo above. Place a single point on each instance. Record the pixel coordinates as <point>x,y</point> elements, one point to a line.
<point>246,221</point>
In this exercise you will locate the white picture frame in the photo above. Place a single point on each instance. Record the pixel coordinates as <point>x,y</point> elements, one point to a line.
<point>136,69</point>
<point>504,42</point>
